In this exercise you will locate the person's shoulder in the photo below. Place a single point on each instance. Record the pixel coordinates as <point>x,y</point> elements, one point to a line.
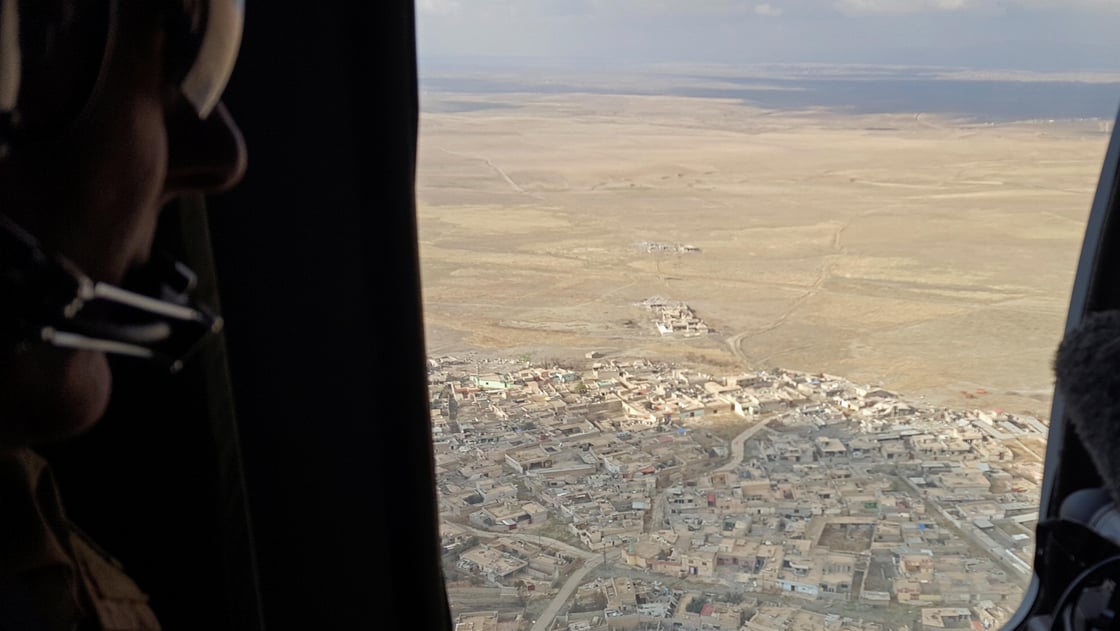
<point>51,571</point>
<point>37,590</point>
<point>33,521</point>
<point>22,463</point>
<point>118,602</point>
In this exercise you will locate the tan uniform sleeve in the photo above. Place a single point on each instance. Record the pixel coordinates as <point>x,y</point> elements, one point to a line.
<point>38,587</point>
<point>117,601</point>
<point>52,577</point>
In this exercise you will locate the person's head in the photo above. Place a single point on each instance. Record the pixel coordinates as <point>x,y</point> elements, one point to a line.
<point>113,119</point>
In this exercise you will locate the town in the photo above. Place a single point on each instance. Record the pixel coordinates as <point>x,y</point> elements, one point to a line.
<point>632,494</point>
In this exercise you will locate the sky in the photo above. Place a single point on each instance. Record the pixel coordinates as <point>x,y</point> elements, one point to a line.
<point>1032,35</point>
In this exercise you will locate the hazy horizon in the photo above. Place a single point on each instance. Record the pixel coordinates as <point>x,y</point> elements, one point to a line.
<point>964,94</point>
<point>1035,35</point>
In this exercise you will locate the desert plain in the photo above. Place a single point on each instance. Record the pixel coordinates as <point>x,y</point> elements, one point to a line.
<point>931,254</point>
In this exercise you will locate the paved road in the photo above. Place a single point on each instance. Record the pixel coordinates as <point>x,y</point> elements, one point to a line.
<point>591,560</point>
<point>659,506</point>
<point>657,520</point>
<point>544,621</point>
<point>740,440</point>
<point>968,532</point>
<point>537,539</point>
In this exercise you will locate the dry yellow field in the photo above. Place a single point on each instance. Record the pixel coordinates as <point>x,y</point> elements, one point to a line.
<point>930,256</point>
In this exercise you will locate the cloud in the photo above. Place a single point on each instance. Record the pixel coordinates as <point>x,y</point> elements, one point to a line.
<point>438,7</point>
<point>1085,6</point>
<point>896,7</point>
<point>597,9</point>
<point>904,7</point>
<point>1010,34</point>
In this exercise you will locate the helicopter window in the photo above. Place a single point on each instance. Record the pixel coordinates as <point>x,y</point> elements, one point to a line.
<point>745,314</point>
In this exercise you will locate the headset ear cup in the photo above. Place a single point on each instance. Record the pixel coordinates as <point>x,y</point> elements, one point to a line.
<point>10,70</point>
<point>53,59</point>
